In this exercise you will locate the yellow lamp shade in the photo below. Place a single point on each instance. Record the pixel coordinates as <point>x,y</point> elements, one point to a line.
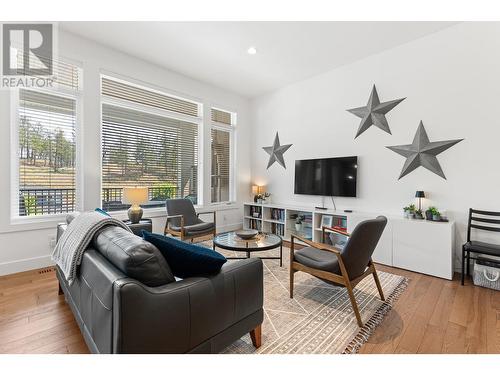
<point>135,195</point>
<point>256,189</point>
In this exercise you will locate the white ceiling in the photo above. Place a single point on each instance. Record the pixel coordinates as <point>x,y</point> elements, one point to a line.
<point>216,52</point>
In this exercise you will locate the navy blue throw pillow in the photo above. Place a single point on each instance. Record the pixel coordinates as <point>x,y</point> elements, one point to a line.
<point>186,259</point>
<point>101,211</point>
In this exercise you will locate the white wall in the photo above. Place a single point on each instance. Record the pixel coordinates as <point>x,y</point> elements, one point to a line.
<point>26,246</point>
<point>452,83</point>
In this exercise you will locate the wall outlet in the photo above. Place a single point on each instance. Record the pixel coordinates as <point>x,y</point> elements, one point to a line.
<point>52,242</point>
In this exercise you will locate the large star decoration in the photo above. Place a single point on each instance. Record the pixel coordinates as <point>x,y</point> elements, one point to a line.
<point>374,113</point>
<point>276,152</point>
<point>422,152</point>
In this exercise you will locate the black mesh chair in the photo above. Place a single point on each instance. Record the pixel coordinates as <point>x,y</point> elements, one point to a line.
<point>183,221</point>
<point>484,221</point>
<point>345,267</point>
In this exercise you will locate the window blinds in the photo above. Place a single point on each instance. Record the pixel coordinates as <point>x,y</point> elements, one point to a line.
<point>47,154</point>
<point>66,75</point>
<point>222,117</point>
<point>221,156</point>
<point>147,149</point>
<point>115,89</point>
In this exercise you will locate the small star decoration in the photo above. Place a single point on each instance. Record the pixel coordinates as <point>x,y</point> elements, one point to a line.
<point>276,152</point>
<point>374,113</point>
<point>423,153</point>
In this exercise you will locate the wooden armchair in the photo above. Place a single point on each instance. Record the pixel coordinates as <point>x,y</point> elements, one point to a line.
<point>184,222</point>
<point>345,267</point>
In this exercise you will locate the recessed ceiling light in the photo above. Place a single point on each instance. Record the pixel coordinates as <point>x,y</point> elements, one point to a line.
<point>252,50</point>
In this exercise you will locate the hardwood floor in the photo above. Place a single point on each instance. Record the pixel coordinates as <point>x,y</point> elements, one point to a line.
<point>432,316</point>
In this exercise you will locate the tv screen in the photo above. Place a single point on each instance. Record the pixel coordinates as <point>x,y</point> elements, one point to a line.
<point>334,177</point>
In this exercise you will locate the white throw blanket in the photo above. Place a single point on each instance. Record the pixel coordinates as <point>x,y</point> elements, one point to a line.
<point>73,242</point>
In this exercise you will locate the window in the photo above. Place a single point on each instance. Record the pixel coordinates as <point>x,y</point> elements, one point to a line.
<point>45,132</point>
<point>221,139</point>
<point>149,139</point>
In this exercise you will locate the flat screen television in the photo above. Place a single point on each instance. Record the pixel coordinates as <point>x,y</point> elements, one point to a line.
<point>334,177</point>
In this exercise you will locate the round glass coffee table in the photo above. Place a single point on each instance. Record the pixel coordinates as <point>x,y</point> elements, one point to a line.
<point>261,242</point>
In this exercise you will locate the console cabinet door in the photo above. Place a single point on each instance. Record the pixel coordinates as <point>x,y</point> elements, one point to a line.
<point>424,247</point>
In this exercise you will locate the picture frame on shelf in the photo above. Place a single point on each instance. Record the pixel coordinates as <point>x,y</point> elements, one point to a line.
<point>326,220</point>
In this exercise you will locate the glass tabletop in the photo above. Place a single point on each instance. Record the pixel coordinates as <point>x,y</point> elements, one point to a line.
<point>262,241</point>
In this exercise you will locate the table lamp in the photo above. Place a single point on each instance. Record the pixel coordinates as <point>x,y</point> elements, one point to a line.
<point>419,194</point>
<point>135,196</point>
<point>256,190</point>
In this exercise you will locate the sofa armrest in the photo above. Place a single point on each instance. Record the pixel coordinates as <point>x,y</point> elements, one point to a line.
<point>176,317</point>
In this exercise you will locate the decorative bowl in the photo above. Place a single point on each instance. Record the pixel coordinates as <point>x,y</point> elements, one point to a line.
<point>246,234</point>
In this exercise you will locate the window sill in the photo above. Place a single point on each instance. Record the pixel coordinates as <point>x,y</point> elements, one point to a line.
<point>21,224</point>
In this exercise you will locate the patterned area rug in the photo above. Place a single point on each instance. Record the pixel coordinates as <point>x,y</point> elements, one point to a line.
<point>319,319</point>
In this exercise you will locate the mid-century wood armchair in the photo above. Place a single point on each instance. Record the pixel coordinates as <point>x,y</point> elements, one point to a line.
<point>184,222</point>
<point>345,267</point>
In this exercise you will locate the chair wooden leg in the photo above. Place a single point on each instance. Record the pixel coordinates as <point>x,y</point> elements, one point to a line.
<point>256,336</point>
<point>291,282</point>
<point>377,282</point>
<point>354,305</point>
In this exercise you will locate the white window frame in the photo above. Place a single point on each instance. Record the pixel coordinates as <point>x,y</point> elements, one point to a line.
<point>231,129</point>
<point>76,95</point>
<point>198,120</point>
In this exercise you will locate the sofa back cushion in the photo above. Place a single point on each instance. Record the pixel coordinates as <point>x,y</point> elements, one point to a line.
<point>133,256</point>
<point>186,259</point>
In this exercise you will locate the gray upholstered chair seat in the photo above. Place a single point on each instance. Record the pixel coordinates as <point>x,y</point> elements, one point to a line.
<point>201,227</point>
<point>317,259</point>
<point>183,222</point>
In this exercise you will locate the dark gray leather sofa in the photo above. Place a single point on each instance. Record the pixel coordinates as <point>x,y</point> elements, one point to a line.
<point>119,314</point>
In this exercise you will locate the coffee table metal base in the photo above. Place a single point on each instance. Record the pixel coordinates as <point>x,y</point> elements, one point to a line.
<point>248,252</point>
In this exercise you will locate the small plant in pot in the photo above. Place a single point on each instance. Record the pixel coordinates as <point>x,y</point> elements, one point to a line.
<point>261,198</point>
<point>436,215</point>
<point>419,214</point>
<point>409,211</point>
<point>298,223</point>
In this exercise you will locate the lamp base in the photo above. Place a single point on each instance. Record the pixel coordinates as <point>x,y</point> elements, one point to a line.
<point>135,214</point>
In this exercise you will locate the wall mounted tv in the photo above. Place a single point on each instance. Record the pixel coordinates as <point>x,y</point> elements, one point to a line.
<point>334,177</point>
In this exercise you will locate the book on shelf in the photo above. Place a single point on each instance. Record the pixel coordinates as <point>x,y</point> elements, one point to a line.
<point>278,214</point>
<point>278,229</point>
<point>256,212</point>
<point>255,224</point>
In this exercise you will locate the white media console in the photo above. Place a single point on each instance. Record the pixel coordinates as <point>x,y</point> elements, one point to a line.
<point>415,245</point>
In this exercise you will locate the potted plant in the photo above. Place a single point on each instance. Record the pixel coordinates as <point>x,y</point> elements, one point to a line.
<point>436,215</point>
<point>261,198</point>
<point>298,223</point>
<point>409,211</point>
<point>419,214</point>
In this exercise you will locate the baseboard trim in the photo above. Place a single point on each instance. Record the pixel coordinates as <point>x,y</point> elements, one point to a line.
<point>229,227</point>
<point>23,265</point>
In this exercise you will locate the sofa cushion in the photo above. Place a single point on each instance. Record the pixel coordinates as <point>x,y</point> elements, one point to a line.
<point>133,256</point>
<point>101,211</point>
<point>186,259</point>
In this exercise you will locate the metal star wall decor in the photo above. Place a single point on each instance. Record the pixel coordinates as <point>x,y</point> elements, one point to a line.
<point>422,153</point>
<point>374,113</point>
<point>276,152</point>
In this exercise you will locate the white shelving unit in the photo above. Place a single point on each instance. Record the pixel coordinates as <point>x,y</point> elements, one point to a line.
<point>415,245</point>
<point>280,219</point>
